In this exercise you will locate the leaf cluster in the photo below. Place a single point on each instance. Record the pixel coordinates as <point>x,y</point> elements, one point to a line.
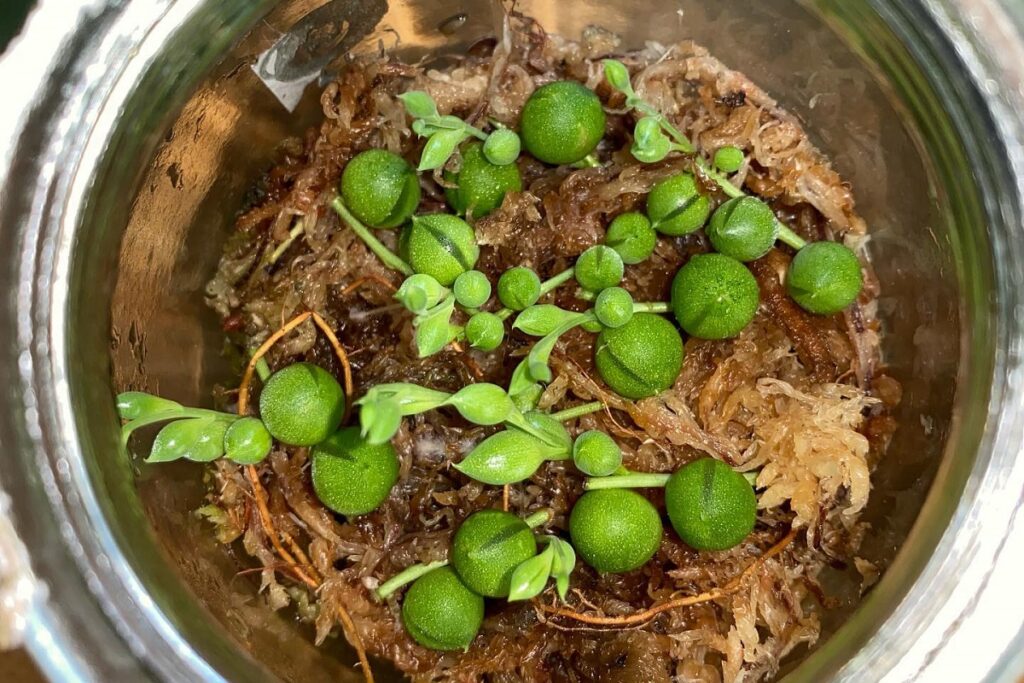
<point>192,433</point>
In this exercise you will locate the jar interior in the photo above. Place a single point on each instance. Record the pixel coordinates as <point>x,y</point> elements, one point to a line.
<point>200,126</point>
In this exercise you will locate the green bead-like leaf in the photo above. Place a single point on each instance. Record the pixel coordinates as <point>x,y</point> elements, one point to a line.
<point>523,389</point>
<point>421,292</point>
<point>379,420</point>
<point>562,564</point>
<point>502,147</point>
<point>728,158</point>
<point>419,104</point>
<point>530,577</point>
<point>432,336</point>
<point>472,289</point>
<point>650,144</point>
<point>503,458</point>
<point>433,331</point>
<point>200,439</point>
<point>132,405</point>
<point>618,76</point>
<point>424,128</point>
<point>541,320</point>
<point>482,404</point>
<point>247,441</point>
<point>440,147</point>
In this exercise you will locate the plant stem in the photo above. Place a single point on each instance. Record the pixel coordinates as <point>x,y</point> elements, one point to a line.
<point>723,182</point>
<point>633,480</point>
<point>548,285</point>
<point>682,143</point>
<point>578,411</point>
<point>791,238</point>
<point>785,234</point>
<point>407,575</point>
<point>390,259</point>
<point>262,368</point>
<point>180,413</point>
<point>589,161</point>
<point>557,280</point>
<point>476,132</point>
<point>539,518</point>
<point>652,307</point>
<point>293,234</point>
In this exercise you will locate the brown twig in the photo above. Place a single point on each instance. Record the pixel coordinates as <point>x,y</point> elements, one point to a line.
<point>350,629</point>
<point>504,498</point>
<point>651,612</point>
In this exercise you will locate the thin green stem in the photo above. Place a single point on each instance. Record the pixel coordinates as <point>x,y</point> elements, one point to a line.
<point>263,369</point>
<point>577,411</point>
<point>557,280</point>
<point>682,143</point>
<point>652,307</point>
<point>504,313</point>
<point>407,575</point>
<point>390,259</point>
<point>633,480</point>
<point>293,234</point>
<point>177,414</point>
<point>539,518</point>
<point>589,161</point>
<point>476,132</point>
<point>791,238</point>
<point>723,182</point>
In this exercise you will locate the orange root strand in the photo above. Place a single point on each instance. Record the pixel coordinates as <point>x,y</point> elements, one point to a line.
<point>353,637</point>
<point>302,557</point>
<point>339,351</point>
<point>650,613</point>
<point>243,388</point>
<point>310,578</point>
<point>271,532</point>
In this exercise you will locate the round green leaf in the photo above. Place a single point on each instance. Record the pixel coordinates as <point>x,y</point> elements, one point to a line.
<point>247,441</point>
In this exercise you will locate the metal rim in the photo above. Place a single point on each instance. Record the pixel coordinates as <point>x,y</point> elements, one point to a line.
<point>979,557</point>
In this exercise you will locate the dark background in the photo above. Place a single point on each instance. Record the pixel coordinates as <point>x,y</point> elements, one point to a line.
<point>12,16</point>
